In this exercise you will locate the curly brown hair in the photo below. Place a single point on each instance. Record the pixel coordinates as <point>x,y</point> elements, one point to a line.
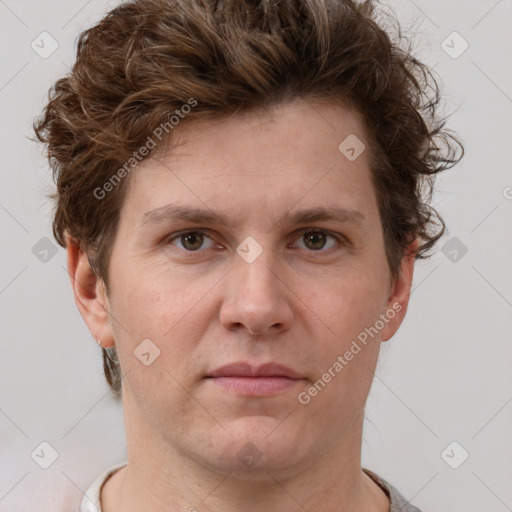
<point>146,59</point>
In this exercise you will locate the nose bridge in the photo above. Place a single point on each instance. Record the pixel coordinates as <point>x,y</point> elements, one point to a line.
<point>256,279</point>
<point>256,297</point>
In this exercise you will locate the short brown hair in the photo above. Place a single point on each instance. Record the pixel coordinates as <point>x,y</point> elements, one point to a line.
<point>148,58</point>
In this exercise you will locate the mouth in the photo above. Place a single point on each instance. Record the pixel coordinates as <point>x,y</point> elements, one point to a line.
<point>266,380</point>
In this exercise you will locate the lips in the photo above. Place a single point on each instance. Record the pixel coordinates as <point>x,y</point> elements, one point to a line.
<point>246,380</point>
<point>242,369</point>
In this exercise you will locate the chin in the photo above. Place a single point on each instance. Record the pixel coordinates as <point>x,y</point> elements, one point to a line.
<point>259,445</point>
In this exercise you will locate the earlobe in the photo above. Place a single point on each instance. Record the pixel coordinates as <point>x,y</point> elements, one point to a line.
<point>398,300</point>
<point>90,294</point>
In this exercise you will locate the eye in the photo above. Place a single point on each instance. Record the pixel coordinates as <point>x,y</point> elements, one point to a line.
<point>191,240</point>
<point>312,240</point>
<point>316,240</point>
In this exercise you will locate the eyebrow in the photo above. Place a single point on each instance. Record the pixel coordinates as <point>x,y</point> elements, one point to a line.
<point>172,212</point>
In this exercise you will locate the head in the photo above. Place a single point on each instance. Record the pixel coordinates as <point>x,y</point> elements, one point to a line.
<point>254,114</point>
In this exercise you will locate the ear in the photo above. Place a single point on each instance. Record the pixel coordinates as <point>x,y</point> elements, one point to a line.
<point>400,292</point>
<point>90,294</point>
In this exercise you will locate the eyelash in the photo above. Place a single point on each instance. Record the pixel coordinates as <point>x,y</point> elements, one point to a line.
<point>340,239</point>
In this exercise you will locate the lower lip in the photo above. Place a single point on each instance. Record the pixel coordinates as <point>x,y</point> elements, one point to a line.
<point>255,386</point>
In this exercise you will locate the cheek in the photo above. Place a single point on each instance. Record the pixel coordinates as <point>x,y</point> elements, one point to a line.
<point>345,358</point>
<point>156,301</point>
<point>157,329</point>
<point>173,312</point>
<point>350,304</point>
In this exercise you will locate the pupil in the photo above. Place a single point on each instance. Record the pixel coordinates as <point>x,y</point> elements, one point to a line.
<point>189,237</point>
<point>317,239</point>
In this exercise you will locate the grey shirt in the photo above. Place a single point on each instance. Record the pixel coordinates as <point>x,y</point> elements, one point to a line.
<point>91,500</point>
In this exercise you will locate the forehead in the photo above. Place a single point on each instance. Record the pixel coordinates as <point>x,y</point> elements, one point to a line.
<point>293,155</point>
<point>312,129</point>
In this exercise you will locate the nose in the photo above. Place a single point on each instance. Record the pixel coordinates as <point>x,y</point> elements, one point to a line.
<point>256,298</point>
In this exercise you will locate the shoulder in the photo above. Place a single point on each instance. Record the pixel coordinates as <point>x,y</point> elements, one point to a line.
<point>397,502</point>
<point>91,501</point>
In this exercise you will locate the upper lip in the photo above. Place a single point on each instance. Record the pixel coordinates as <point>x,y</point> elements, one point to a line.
<point>242,369</point>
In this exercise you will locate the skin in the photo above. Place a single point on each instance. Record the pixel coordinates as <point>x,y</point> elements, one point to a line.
<point>298,304</point>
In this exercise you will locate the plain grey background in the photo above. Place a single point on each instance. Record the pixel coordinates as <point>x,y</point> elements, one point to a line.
<point>444,378</point>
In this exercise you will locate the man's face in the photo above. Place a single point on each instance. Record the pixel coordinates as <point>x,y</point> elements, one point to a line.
<point>271,285</point>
